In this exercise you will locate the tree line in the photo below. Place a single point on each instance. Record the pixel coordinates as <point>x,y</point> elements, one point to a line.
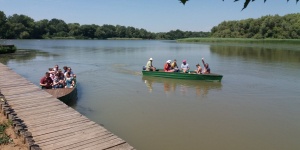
<point>24,27</point>
<point>270,26</point>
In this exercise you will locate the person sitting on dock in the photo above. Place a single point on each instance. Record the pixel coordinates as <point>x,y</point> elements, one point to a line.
<point>185,67</point>
<point>149,66</point>
<point>167,67</point>
<point>199,69</point>
<point>46,82</point>
<point>206,69</point>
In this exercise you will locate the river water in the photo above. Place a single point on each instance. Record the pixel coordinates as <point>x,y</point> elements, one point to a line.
<point>255,106</point>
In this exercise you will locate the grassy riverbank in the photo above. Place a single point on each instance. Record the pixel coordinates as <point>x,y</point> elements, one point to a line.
<point>239,40</point>
<point>124,39</point>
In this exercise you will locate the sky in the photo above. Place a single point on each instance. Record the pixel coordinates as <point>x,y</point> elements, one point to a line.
<point>152,15</point>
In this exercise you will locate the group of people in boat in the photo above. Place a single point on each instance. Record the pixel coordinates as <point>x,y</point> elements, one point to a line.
<point>173,67</point>
<point>57,78</point>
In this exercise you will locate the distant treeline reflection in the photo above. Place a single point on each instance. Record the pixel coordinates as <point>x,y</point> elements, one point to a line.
<point>258,53</point>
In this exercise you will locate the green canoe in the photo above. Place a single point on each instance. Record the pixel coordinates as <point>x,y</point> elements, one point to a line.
<point>186,76</point>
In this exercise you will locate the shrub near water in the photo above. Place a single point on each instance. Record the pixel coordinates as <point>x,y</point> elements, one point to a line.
<point>7,49</point>
<point>4,139</point>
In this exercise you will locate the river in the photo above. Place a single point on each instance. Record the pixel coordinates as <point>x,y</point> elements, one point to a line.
<point>255,106</point>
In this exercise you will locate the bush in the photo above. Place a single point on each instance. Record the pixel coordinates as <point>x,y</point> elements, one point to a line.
<point>7,49</point>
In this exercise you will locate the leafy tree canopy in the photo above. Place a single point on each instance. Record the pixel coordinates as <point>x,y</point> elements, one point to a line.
<point>245,3</point>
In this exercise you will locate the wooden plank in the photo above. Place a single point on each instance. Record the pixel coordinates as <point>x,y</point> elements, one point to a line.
<point>82,141</point>
<point>29,98</point>
<point>19,90</point>
<point>49,107</point>
<point>124,146</point>
<point>66,137</point>
<point>57,120</point>
<point>61,128</point>
<point>33,105</point>
<point>32,94</point>
<point>107,144</point>
<point>58,113</point>
<point>39,112</point>
<point>19,84</point>
<point>69,132</point>
<point>58,124</point>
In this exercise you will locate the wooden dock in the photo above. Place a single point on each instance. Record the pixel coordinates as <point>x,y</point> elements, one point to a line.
<point>46,123</point>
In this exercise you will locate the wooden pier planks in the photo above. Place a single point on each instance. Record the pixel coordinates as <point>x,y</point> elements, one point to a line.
<point>52,123</point>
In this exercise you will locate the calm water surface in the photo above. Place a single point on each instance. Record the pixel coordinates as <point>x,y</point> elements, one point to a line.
<point>256,106</point>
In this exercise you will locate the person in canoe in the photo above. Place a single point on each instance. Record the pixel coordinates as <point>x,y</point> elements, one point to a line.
<point>185,67</point>
<point>46,82</point>
<point>69,70</point>
<point>167,66</point>
<point>206,69</point>
<point>174,66</point>
<point>199,69</point>
<point>149,66</point>
<point>56,82</point>
<point>70,83</point>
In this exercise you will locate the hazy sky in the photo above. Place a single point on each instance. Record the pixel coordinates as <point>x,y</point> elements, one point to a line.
<point>152,15</point>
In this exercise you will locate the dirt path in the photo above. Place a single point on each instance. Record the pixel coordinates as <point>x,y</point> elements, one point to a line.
<point>17,143</point>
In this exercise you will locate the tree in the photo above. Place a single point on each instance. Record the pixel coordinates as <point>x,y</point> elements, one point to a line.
<point>3,27</point>
<point>18,24</point>
<point>88,31</point>
<point>245,4</point>
<point>74,30</point>
<point>40,29</point>
<point>58,28</point>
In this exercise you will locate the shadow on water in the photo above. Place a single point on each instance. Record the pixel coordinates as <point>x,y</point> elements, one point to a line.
<point>73,99</point>
<point>201,88</point>
<point>283,54</point>
<point>23,55</point>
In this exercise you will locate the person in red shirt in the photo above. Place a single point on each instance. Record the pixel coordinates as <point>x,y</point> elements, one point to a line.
<point>167,67</point>
<point>46,82</point>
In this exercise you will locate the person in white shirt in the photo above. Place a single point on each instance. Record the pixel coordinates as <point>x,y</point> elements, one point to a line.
<point>185,67</point>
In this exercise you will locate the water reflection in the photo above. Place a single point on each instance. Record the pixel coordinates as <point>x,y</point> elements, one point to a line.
<point>279,54</point>
<point>184,87</point>
<point>23,55</point>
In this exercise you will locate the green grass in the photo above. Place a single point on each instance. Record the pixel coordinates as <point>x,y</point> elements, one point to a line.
<point>239,40</point>
<point>4,138</point>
